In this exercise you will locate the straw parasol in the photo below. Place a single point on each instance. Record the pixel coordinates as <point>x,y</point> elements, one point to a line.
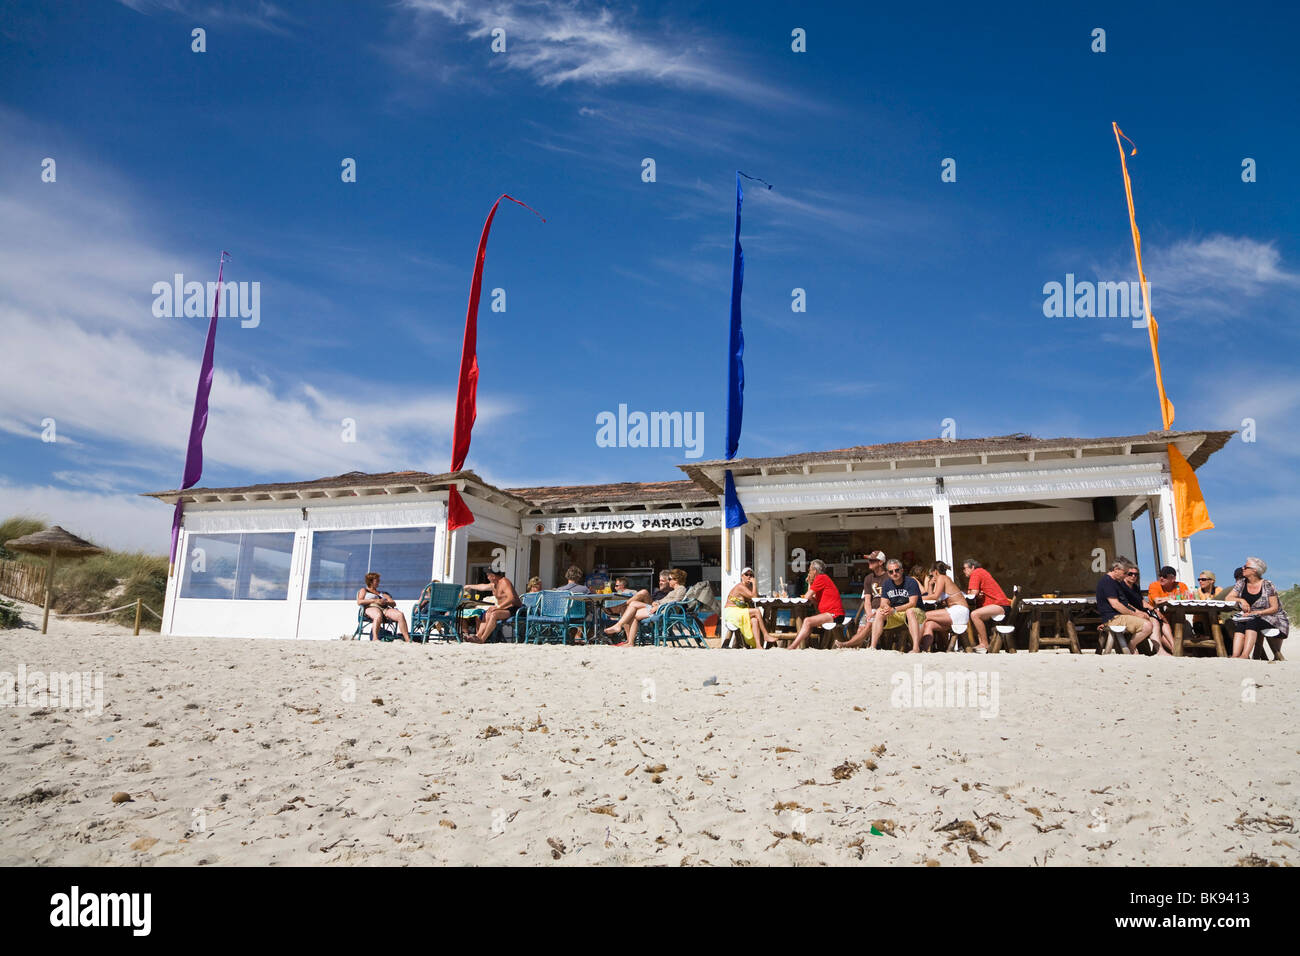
<point>52,542</point>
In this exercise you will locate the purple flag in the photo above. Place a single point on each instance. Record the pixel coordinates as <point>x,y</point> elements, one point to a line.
<point>199,423</point>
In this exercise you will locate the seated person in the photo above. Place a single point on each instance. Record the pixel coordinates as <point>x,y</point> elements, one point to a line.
<point>1117,606</point>
<point>1225,594</point>
<point>989,599</point>
<point>873,584</point>
<point>950,605</point>
<point>1164,634</point>
<point>534,585</point>
<point>620,586</point>
<point>899,606</point>
<point>830,607</point>
<point>741,613</point>
<point>637,611</point>
<point>381,607</point>
<point>1261,610</point>
<point>1206,590</point>
<point>573,581</point>
<point>507,603</point>
<point>1167,587</point>
<point>664,586</point>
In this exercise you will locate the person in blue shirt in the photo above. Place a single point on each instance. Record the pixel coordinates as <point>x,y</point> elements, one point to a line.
<point>900,598</point>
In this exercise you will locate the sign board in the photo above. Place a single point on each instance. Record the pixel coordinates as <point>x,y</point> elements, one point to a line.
<point>684,550</point>
<point>661,522</point>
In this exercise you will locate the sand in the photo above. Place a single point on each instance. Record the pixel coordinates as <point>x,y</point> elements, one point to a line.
<point>246,752</point>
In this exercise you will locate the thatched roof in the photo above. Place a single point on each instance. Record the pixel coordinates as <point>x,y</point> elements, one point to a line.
<point>52,539</point>
<point>351,484</point>
<point>1205,444</point>
<point>624,492</point>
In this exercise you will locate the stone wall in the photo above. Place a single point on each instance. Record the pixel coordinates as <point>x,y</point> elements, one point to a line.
<point>1041,558</point>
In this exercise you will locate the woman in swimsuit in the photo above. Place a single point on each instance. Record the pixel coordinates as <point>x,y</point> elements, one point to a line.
<point>741,614</point>
<point>381,607</point>
<point>952,609</point>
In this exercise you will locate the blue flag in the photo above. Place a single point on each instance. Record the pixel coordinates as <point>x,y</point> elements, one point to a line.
<point>735,514</point>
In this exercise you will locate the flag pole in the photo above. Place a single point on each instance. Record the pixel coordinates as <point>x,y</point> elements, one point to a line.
<point>199,421</point>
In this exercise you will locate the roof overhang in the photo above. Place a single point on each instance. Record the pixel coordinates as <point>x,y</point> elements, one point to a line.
<point>922,459</point>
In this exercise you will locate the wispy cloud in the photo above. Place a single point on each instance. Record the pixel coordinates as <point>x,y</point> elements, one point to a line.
<point>1210,278</point>
<point>259,15</point>
<point>577,43</point>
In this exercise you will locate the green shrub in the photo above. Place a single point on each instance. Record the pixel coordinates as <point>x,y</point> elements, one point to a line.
<point>99,581</point>
<point>9,615</point>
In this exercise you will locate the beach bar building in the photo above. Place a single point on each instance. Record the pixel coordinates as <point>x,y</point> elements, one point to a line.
<point>286,559</point>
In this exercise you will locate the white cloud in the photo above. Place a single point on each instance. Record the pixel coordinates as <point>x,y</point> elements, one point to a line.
<point>260,15</point>
<point>559,43</point>
<point>1210,277</point>
<point>123,522</point>
<point>79,259</point>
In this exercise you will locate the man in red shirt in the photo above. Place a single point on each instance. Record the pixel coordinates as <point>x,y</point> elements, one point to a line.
<point>989,600</point>
<point>829,605</point>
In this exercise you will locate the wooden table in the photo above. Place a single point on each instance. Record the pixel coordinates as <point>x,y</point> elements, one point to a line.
<point>1060,609</point>
<point>1182,613</point>
<point>797,606</point>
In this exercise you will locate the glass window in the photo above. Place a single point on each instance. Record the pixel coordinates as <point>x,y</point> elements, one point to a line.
<point>340,560</point>
<point>244,567</point>
<point>404,558</point>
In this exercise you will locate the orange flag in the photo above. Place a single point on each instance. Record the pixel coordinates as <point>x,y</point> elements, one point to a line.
<point>1153,331</point>
<point>1189,504</point>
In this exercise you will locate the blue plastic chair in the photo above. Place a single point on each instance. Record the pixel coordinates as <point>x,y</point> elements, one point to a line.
<point>676,623</point>
<point>436,609</point>
<point>520,620</point>
<point>549,621</point>
<point>387,629</point>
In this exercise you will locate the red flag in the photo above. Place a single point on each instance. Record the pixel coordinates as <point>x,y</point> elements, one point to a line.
<point>458,513</point>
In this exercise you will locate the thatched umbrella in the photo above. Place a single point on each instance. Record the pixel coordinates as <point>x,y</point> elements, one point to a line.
<point>52,542</point>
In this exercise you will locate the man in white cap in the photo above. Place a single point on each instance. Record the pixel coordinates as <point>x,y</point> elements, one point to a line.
<point>873,584</point>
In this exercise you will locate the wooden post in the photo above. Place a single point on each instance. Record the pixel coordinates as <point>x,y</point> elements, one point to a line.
<point>137,617</point>
<point>49,587</point>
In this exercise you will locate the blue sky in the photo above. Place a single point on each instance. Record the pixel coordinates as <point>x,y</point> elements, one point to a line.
<point>924,298</point>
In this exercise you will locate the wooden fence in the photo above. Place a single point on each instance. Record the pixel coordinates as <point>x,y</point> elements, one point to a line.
<point>23,581</point>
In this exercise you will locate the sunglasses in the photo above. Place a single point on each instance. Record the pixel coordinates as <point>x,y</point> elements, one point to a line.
<point>1130,574</point>
<point>1205,579</point>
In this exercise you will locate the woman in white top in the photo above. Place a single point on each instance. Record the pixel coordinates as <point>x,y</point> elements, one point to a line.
<point>381,607</point>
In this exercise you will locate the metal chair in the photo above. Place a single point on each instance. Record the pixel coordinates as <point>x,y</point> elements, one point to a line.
<point>519,621</point>
<point>387,629</point>
<point>675,623</point>
<point>549,621</point>
<point>436,609</point>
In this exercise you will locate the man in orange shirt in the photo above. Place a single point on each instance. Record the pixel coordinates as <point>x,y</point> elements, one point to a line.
<point>1167,587</point>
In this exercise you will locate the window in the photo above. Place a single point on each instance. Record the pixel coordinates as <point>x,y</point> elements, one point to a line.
<point>239,567</point>
<point>340,560</point>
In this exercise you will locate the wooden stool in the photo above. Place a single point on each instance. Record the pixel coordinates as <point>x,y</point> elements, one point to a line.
<point>1108,635</point>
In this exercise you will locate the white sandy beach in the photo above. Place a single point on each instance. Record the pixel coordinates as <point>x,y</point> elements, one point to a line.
<point>245,752</point>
